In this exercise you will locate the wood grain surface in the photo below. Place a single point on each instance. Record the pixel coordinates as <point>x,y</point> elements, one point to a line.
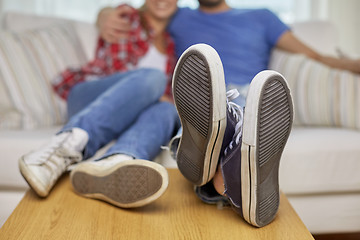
<point>178,214</point>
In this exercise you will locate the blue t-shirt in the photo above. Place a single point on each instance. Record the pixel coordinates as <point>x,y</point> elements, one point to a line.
<point>243,38</point>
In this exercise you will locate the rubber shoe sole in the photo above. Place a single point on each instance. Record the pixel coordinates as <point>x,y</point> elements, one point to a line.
<point>127,184</point>
<point>200,100</point>
<point>267,124</point>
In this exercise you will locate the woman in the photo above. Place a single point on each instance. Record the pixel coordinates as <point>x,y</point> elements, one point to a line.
<point>121,104</point>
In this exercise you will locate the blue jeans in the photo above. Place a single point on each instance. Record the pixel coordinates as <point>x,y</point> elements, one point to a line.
<point>125,107</point>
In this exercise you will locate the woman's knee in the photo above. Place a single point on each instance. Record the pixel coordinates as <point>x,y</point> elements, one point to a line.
<point>153,80</point>
<point>74,91</point>
<point>74,104</point>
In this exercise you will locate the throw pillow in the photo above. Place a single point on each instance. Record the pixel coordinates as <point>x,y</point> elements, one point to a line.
<point>322,96</point>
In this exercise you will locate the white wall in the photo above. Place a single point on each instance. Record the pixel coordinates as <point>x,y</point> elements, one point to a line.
<point>1,8</point>
<point>345,16</point>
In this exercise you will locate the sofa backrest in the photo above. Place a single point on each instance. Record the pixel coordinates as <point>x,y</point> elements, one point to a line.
<point>20,22</point>
<point>319,35</point>
<point>33,51</point>
<point>322,96</point>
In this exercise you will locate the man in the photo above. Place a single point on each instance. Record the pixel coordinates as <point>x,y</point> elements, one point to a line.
<point>243,38</point>
<point>240,160</point>
<point>191,26</point>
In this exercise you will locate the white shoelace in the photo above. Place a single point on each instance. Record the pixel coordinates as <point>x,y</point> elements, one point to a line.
<point>238,114</point>
<point>54,147</point>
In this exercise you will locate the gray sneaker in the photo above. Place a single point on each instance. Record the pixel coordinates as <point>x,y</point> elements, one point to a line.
<point>199,95</point>
<point>207,192</point>
<point>250,164</point>
<point>119,181</point>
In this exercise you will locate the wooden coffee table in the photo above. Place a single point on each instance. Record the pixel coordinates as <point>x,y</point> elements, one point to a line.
<point>178,214</point>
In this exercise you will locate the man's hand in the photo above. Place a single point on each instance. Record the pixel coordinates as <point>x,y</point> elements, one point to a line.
<point>290,43</point>
<point>114,23</point>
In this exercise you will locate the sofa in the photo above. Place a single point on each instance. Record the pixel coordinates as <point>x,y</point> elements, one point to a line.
<point>319,170</point>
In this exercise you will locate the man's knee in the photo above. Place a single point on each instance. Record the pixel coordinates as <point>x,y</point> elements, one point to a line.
<point>166,110</point>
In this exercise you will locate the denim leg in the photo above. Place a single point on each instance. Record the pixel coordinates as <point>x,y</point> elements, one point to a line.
<point>152,129</point>
<point>82,94</point>
<point>113,111</point>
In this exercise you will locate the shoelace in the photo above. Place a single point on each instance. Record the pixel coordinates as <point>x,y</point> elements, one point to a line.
<point>69,156</point>
<point>42,155</point>
<point>54,148</point>
<point>238,114</point>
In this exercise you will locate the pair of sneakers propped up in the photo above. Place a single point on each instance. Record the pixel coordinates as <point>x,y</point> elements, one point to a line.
<point>239,146</point>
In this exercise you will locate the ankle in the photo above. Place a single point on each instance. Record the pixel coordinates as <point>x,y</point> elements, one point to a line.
<point>218,182</point>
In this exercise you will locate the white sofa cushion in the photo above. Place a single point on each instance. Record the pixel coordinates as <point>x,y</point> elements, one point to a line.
<point>321,160</point>
<point>14,144</point>
<point>8,201</point>
<point>328,213</point>
<point>30,60</point>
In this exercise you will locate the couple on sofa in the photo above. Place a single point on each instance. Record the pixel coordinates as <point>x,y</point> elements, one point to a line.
<point>229,152</point>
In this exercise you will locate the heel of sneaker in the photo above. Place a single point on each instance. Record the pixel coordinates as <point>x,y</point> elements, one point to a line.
<point>128,184</point>
<point>267,125</point>
<point>200,99</point>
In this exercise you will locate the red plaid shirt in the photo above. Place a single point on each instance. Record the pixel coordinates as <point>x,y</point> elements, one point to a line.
<point>116,57</point>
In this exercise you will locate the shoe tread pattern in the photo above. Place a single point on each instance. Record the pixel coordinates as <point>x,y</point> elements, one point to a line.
<point>127,184</point>
<point>193,102</point>
<point>193,94</point>
<point>275,123</point>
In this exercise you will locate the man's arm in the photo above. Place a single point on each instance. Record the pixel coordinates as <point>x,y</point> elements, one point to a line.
<point>290,43</point>
<point>113,23</point>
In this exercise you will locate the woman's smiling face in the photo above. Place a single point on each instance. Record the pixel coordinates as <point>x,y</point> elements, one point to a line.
<point>161,9</point>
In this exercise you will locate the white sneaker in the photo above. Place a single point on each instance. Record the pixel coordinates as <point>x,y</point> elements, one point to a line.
<point>123,183</point>
<point>43,167</point>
